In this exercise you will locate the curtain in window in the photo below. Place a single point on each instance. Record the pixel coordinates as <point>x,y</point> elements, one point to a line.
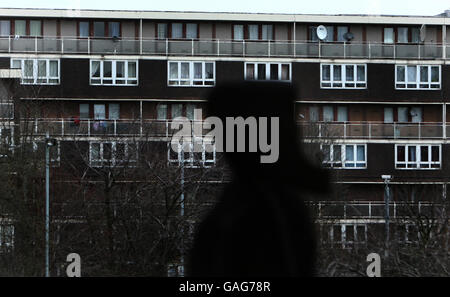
<point>16,64</point>
<point>253,32</point>
<point>114,29</point>
<point>313,33</point>
<point>95,68</point>
<point>342,114</point>
<point>20,27</point>
<point>162,31</point>
<point>177,30</point>
<point>114,111</point>
<point>28,71</point>
<point>261,71</point>
<point>330,34</point>
<point>42,68</point>
<point>349,153</point>
<point>132,69</point>
<point>435,74</point>
<point>326,72</point>
<point>341,30</point>
<point>267,32</point>
<point>5,28</point>
<point>416,114</point>
<point>424,73</point>
<point>412,73</point>
<point>177,110</point>
<point>415,35</point>
<point>349,73</point>
<point>198,71</point>
<point>328,115</point>
<point>360,73</point>
<point>84,29</point>
<point>412,153</point>
<point>285,75</point>
<point>388,35</point>
<point>190,111</point>
<point>107,69</point>
<point>173,70</point>
<point>388,115</point>
<point>360,153</point>
<point>191,31</point>
<point>337,154</point>
<point>209,70</point>
<point>238,31</point>
<point>402,114</point>
<point>313,114</point>
<point>35,28</point>
<point>400,73</point>
<point>162,111</point>
<point>120,69</point>
<point>250,71</point>
<point>337,72</point>
<point>99,112</point>
<point>184,70</point>
<point>402,34</point>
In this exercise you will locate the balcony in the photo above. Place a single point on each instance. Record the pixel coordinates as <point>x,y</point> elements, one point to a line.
<point>222,47</point>
<point>372,130</point>
<point>374,210</point>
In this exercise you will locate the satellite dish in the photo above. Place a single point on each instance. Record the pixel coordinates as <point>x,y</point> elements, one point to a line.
<point>321,32</point>
<point>348,36</point>
<point>423,32</point>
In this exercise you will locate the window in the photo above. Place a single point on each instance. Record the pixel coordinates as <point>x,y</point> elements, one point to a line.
<point>38,71</point>
<point>161,111</point>
<point>330,33</point>
<point>388,35</point>
<point>313,114</point>
<point>177,110</point>
<point>344,156</point>
<point>6,110</point>
<point>342,114</point>
<point>99,29</point>
<point>99,112</point>
<point>238,32</point>
<point>5,28</point>
<point>191,31</point>
<point>83,29</point>
<point>113,72</point>
<point>417,156</point>
<point>162,31</point>
<point>268,71</point>
<point>114,29</point>
<point>417,77</point>
<point>341,31</point>
<point>388,115</point>
<point>253,32</point>
<point>112,153</point>
<point>402,34</point>
<point>191,74</point>
<point>6,236</point>
<point>343,76</point>
<point>20,27</point>
<point>204,157</point>
<point>328,113</point>
<point>84,111</point>
<point>177,30</point>
<point>346,235</point>
<point>114,111</point>
<point>409,114</point>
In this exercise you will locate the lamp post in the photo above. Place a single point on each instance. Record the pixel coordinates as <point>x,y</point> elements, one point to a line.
<point>49,142</point>
<point>387,198</point>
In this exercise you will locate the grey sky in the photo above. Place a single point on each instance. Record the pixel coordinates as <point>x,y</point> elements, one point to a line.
<point>395,7</point>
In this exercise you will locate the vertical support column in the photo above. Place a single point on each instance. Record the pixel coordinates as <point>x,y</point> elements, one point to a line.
<point>444,41</point>
<point>140,113</point>
<point>140,36</point>
<point>295,39</point>
<point>444,120</point>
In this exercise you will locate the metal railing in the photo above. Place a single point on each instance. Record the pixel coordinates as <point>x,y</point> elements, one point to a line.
<point>223,47</point>
<point>373,130</point>
<point>373,210</point>
<point>163,128</point>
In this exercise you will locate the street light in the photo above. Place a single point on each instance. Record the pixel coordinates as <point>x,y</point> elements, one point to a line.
<point>387,198</point>
<point>49,142</point>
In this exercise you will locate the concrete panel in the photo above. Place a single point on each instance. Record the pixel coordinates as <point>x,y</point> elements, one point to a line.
<point>301,32</point>
<point>205,30</point>
<point>128,29</point>
<point>148,30</point>
<point>223,31</point>
<point>374,34</point>
<point>281,31</point>
<point>50,28</point>
<point>68,28</point>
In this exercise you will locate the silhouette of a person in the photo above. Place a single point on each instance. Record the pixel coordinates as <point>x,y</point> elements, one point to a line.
<point>260,226</point>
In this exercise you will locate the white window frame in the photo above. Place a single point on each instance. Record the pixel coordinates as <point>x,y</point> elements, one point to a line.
<point>130,162</point>
<point>341,164</point>
<point>34,78</point>
<point>191,80</point>
<point>418,84</point>
<point>418,161</point>
<point>114,79</point>
<point>192,161</point>
<point>267,64</point>
<point>343,240</point>
<point>334,84</point>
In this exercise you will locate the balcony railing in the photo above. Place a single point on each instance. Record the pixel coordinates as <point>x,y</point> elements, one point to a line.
<point>222,47</point>
<point>373,130</point>
<point>163,128</point>
<point>374,210</point>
